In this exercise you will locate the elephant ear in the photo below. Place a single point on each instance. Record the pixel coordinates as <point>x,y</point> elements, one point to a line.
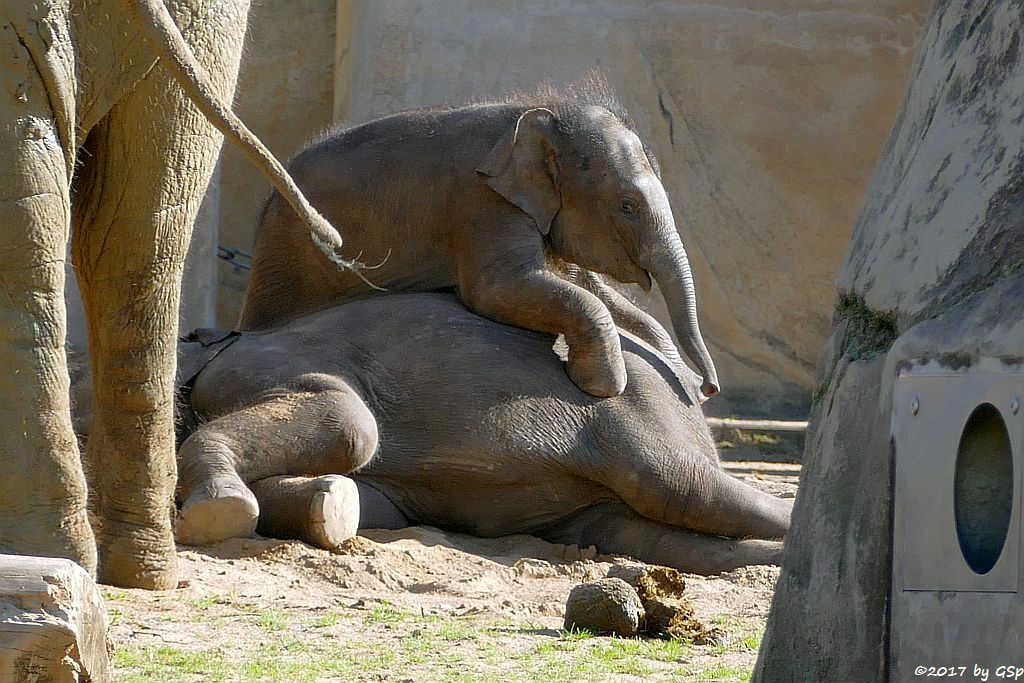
<point>520,167</point>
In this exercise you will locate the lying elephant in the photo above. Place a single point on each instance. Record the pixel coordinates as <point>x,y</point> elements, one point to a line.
<point>445,418</point>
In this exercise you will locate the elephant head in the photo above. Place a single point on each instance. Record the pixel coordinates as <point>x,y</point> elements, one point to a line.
<point>593,191</point>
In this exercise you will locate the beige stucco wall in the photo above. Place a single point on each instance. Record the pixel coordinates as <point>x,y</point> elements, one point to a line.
<point>767,117</point>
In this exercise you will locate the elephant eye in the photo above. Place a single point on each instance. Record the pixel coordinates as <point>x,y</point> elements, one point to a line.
<point>627,205</point>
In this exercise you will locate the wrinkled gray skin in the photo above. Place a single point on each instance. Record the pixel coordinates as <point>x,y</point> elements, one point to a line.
<point>446,418</point>
<point>484,198</point>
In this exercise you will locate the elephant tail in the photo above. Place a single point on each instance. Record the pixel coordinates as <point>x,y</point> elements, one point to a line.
<point>165,39</point>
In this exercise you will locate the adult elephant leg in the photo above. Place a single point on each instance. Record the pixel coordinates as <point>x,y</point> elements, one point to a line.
<point>146,168</point>
<point>42,489</point>
<point>294,433</point>
<point>614,528</point>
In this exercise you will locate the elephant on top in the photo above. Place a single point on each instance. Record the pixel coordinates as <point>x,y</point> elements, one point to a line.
<point>439,416</point>
<point>108,125</point>
<point>485,198</point>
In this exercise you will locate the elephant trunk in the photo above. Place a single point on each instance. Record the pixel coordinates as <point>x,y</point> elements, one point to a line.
<point>671,269</point>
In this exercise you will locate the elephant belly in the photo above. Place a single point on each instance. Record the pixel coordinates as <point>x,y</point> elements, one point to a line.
<point>482,501</point>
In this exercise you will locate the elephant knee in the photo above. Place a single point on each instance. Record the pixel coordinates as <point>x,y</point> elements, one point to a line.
<point>355,439</point>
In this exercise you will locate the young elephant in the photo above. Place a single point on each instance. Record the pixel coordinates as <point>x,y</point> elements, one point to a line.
<point>476,198</point>
<point>445,418</point>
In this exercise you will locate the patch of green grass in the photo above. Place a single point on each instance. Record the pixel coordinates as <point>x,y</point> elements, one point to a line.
<point>571,658</point>
<point>671,650</point>
<point>453,629</point>
<point>206,602</point>
<point>430,649</point>
<point>272,620</point>
<point>752,642</point>
<point>264,667</point>
<point>417,647</point>
<point>726,674</point>
<point>575,633</point>
<point>111,595</point>
<point>740,634</point>
<point>385,613</point>
<point>144,664</point>
<point>327,620</point>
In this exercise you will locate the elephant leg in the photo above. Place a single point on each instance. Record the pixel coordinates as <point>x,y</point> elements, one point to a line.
<point>537,299</point>
<point>677,484</point>
<point>614,528</point>
<point>42,487</point>
<point>631,318</point>
<point>308,433</point>
<point>322,511</point>
<point>145,170</point>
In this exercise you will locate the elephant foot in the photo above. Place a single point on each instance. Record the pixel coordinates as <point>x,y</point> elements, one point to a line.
<point>598,376</point>
<point>334,512</point>
<point>221,509</point>
<point>322,511</point>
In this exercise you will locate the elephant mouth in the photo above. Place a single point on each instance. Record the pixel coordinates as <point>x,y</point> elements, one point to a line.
<point>644,280</point>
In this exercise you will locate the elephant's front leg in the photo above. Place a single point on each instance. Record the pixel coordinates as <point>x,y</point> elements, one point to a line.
<point>42,488</point>
<point>630,317</point>
<point>517,289</point>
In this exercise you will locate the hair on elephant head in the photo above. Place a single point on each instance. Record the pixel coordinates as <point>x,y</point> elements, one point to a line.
<point>478,197</point>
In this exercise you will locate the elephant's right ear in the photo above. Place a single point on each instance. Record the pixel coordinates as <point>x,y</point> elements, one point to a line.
<point>521,167</point>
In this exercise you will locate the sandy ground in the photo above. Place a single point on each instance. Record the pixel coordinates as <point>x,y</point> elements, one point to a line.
<point>419,604</point>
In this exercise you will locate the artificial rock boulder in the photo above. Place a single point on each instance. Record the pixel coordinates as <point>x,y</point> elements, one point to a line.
<point>933,273</point>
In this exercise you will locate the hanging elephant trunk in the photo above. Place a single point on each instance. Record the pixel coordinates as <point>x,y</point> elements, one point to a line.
<point>671,269</point>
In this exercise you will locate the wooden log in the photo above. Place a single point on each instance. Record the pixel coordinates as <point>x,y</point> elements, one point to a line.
<point>53,624</point>
<point>757,425</point>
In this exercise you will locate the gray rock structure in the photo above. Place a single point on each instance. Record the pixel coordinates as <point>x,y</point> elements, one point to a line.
<point>934,275</point>
<point>53,625</point>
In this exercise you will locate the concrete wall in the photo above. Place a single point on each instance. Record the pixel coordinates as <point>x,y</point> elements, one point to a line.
<point>767,118</point>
